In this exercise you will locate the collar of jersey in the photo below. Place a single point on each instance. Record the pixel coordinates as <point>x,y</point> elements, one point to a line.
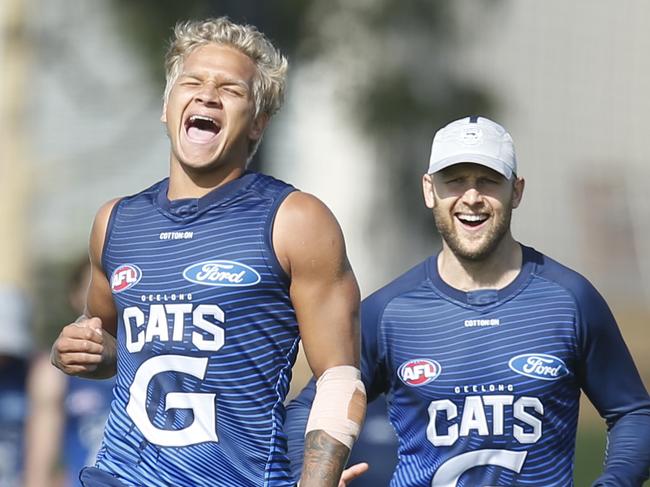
<point>484,297</point>
<point>184,208</point>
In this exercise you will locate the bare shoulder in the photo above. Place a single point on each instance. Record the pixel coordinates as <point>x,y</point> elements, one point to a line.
<point>307,234</point>
<point>104,213</point>
<point>304,212</point>
<point>98,232</point>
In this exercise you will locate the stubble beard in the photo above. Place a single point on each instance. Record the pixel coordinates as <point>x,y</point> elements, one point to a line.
<point>472,253</point>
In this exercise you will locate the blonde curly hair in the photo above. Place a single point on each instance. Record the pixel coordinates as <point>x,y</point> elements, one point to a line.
<point>269,82</point>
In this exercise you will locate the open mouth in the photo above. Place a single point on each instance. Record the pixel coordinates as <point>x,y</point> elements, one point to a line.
<point>472,220</point>
<point>201,128</point>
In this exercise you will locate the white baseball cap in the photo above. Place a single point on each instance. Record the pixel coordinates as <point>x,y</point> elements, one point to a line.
<point>474,139</point>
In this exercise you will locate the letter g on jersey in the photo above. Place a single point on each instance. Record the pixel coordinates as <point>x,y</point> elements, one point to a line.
<point>202,429</point>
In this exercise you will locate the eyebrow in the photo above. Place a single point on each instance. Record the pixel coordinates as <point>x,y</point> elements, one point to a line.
<point>231,81</point>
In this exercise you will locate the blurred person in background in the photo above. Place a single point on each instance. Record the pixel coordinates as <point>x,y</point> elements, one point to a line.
<point>67,414</point>
<point>203,285</point>
<point>15,349</point>
<point>483,349</point>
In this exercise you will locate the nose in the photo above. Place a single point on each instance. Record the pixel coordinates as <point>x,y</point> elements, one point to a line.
<point>472,196</point>
<point>208,95</point>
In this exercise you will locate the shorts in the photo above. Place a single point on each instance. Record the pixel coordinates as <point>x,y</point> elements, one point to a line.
<point>94,477</point>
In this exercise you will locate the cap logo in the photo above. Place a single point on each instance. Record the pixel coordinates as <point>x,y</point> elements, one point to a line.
<point>472,135</point>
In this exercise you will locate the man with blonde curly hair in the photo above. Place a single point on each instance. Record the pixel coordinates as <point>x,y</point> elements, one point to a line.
<point>204,284</point>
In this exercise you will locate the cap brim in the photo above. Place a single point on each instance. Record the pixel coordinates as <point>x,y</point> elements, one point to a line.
<point>487,161</point>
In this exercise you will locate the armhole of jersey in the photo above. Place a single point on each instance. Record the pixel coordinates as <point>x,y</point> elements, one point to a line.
<point>274,262</point>
<point>107,235</point>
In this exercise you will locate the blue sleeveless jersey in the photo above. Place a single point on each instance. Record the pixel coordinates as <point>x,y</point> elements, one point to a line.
<point>483,387</point>
<point>206,338</point>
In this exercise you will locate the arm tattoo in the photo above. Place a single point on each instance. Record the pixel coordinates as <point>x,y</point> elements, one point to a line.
<point>324,460</point>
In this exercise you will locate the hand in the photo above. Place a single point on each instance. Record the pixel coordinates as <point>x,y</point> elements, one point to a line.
<point>351,473</point>
<point>82,349</point>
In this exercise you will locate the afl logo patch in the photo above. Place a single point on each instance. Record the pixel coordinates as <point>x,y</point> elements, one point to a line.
<point>221,273</point>
<point>539,366</point>
<point>124,277</point>
<point>419,371</point>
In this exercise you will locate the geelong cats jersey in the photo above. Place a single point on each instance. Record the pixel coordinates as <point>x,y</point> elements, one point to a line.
<point>483,386</point>
<point>206,338</point>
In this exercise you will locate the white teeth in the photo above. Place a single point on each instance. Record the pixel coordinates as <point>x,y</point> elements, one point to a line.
<point>193,118</point>
<point>473,218</point>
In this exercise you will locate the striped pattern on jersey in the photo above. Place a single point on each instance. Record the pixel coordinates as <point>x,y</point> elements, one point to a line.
<point>466,399</point>
<point>206,337</point>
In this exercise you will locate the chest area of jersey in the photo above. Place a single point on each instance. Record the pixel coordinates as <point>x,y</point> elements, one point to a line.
<point>438,348</point>
<point>497,374</point>
<point>214,252</point>
<point>185,286</point>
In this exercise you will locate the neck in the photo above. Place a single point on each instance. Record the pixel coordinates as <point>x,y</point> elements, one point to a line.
<point>495,271</point>
<point>187,183</point>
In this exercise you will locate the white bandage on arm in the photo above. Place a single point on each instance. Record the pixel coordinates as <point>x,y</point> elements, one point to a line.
<point>339,405</point>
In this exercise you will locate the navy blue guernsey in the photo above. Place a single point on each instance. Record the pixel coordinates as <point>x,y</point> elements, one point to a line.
<point>483,387</point>
<point>206,335</point>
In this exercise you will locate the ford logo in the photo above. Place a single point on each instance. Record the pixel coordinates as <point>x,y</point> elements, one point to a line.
<point>221,273</point>
<point>539,366</point>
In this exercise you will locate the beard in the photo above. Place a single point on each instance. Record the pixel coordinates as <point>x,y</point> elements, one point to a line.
<point>474,250</point>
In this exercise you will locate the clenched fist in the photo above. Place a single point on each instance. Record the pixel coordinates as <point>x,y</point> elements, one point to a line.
<point>83,348</point>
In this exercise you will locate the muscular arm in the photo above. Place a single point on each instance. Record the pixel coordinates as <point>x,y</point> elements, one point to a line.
<point>325,295</point>
<point>372,372</point>
<point>87,347</point>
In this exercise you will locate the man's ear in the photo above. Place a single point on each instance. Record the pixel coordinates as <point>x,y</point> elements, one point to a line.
<point>517,191</point>
<point>258,126</point>
<point>427,191</point>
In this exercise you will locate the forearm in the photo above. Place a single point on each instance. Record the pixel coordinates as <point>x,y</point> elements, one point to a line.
<point>334,423</point>
<point>628,453</point>
<point>324,459</point>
